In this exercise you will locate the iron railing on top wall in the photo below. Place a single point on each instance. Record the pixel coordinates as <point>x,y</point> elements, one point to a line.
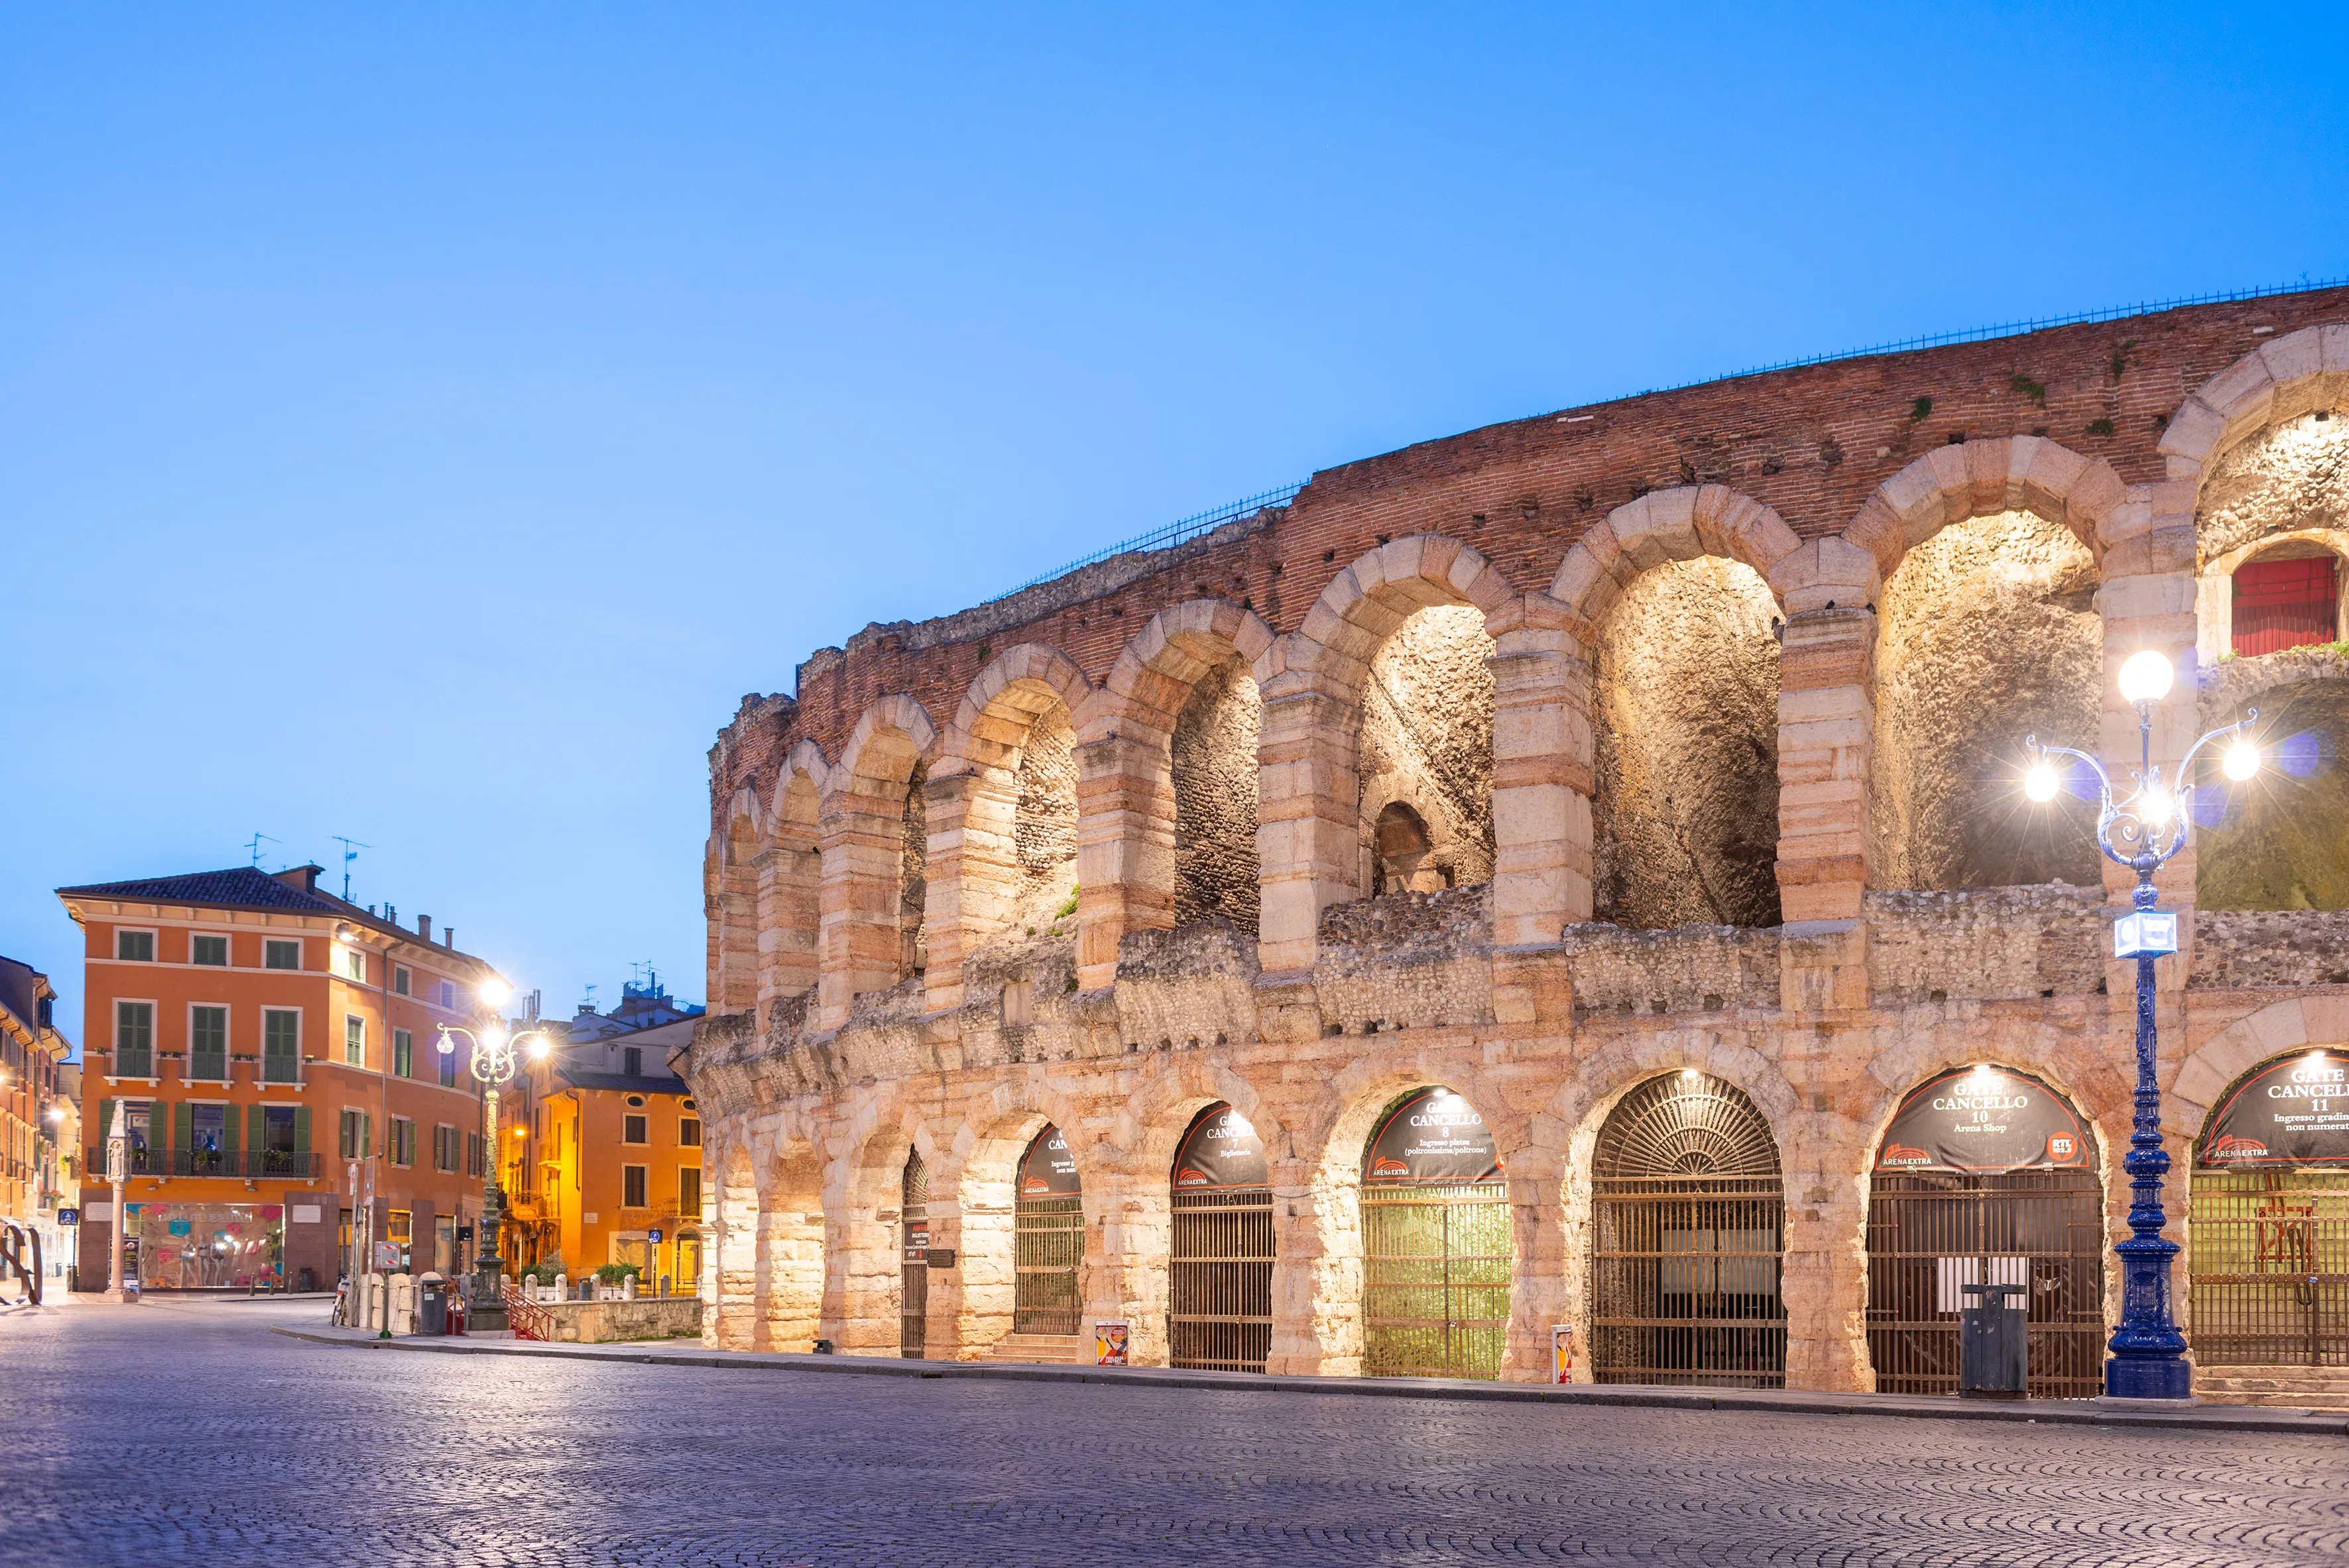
<point>1180,531</point>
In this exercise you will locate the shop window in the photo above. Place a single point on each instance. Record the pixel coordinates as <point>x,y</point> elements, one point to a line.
<point>632,1186</point>
<point>401,1231</point>
<point>276,954</point>
<point>634,1130</point>
<point>2287,604</point>
<point>209,950</point>
<point>135,946</point>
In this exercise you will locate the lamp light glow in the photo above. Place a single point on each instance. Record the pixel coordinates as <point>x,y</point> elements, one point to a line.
<point>2242,760</point>
<point>2147,677</point>
<point>2155,808</point>
<point>2040,781</point>
<point>538,1048</point>
<point>493,992</point>
<point>494,1036</point>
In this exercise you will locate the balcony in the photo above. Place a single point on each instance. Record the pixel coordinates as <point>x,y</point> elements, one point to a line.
<point>247,1164</point>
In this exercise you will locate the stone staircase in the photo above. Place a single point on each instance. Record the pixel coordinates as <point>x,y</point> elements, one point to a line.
<point>1053,1349</point>
<point>2286,1387</point>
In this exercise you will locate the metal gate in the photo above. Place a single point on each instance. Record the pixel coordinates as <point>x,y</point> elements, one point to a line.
<point>1932,1232</point>
<point>1047,1216</point>
<point>1687,1224</point>
<point>1435,1279</point>
<point>1219,1286</point>
<point>2268,1268</point>
<point>914,1266</point>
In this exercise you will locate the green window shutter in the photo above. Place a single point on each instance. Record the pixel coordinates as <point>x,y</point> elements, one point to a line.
<point>257,1125</point>
<point>184,1126</point>
<point>105,1126</point>
<point>228,1133</point>
<point>301,1129</point>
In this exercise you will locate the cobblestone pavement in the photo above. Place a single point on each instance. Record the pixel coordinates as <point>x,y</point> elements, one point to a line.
<point>189,1434</point>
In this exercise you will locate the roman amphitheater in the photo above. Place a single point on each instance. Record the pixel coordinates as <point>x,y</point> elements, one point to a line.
<point>1573,875</point>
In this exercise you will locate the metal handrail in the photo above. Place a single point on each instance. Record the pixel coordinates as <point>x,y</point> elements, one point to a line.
<point>1168,535</point>
<point>527,1318</point>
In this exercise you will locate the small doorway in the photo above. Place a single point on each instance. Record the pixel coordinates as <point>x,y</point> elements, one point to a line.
<point>1436,1250</point>
<point>1219,1284</point>
<point>1048,1238</point>
<point>1985,1177</point>
<point>914,1259</point>
<point>2268,1239</point>
<point>1687,1229</point>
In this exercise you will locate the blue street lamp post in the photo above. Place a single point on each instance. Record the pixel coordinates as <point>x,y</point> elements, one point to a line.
<point>2142,833</point>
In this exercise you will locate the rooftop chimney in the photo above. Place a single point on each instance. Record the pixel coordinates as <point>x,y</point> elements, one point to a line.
<point>449,938</point>
<point>424,926</point>
<point>302,879</point>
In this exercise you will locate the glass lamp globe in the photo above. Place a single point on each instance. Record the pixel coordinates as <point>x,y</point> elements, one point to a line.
<point>2147,677</point>
<point>2040,783</point>
<point>2242,760</point>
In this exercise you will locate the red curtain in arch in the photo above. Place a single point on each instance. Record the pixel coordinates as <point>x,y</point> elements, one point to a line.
<point>2284,604</point>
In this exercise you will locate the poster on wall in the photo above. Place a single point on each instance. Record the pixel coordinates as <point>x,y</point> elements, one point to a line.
<point>1561,1353</point>
<point>1110,1341</point>
<point>1434,1136</point>
<point>1220,1152</point>
<point>1985,1119</point>
<point>2292,1112</point>
<point>1049,1170</point>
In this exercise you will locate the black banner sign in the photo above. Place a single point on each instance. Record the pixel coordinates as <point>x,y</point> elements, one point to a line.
<point>917,1241</point>
<point>1983,1119</point>
<point>1433,1137</point>
<point>1048,1169</point>
<point>2292,1112</point>
<point>1221,1151</point>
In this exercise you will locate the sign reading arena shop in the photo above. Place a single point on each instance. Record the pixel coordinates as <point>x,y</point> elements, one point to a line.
<point>1435,1137</point>
<point>1985,1119</point>
<point>1221,1152</point>
<point>2292,1112</point>
<point>1048,1169</point>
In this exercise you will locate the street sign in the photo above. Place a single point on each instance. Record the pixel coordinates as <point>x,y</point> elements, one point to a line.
<point>656,1238</point>
<point>2147,933</point>
<point>66,1217</point>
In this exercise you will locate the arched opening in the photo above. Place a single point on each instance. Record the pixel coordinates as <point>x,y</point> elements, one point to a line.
<point>2286,595</point>
<point>1403,853</point>
<point>1048,1218</point>
<point>1689,1226</point>
<point>2274,842</point>
<point>913,1258</point>
<point>689,1266</point>
<point>1685,820</point>
<point>734,978</point>
<point>1426,742</point>
<point>1045,816</point>
<point>913,885</point>
<point>1988,633</point>
<point>790,1254</point>
<point>2270,520</point>
<point>2267,1240</point>
<point>874,856</point>
<point>1436,1250</point>
<point>1985,1177</point>
<point>789,895</point>
<point>1219,1258</point>
<point>1214,779</point>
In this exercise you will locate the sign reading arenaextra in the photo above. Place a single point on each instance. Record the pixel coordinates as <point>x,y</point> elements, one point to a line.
<point>2292,1112</point>
<point>1220,1152</point>
<point>1983,1119</point>
<point>1048,1169</point>
<point>1433,1136</point>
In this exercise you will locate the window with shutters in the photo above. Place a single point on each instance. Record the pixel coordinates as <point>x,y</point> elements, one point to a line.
<point>444,1148</point>
<point>135,946</point>
<point>689,1132</point>
<point>208,1044</point>
<point>689,1189</point>
<point>282,1140</point>
<point>208,950</point>
<point>134,1039</point>
<point>403,1140</point>
<point>403,1053</point>
<point>281,954</point>
<point>401,980</point>
<point>355,964</point>
<point>354,1040</point>
<point>281,1045</point>
<point>632,1061</point>
<point>472,1154</point>
<point>351,1144</point>
<point>634,1130</point>
<point>632,1186</point>
<point>445,994</point>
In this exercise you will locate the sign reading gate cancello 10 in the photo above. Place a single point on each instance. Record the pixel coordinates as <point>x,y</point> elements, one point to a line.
<point>1221,1152</point>
<point>1049,1170</point>
<point>1433,1136</point>
<point>2292,1112</point>
<point>1983,1119</point>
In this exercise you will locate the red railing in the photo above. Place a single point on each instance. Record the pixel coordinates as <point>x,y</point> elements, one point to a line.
<point>527,1318</point>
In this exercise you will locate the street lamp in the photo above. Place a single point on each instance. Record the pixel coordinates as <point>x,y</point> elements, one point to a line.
<point>2142,833</point>
<point>493,1065</point>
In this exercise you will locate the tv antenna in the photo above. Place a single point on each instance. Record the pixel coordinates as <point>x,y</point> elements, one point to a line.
<point>254,844</point>
<point>590,1003</point>
<point>351,848</point>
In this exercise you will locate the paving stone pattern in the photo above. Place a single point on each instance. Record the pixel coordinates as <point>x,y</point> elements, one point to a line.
<point>170,1433</point>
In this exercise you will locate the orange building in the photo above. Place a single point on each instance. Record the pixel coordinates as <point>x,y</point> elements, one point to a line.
<point>607,1166</point>
<point>36,1114</point>
<point>275,1048</point>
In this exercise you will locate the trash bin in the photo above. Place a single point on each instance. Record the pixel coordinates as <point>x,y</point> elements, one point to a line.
<point>309,1281</point>
<point>1994,1343</point>
<point>434,1304</point>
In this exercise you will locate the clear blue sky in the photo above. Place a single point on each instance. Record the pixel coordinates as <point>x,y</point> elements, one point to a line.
<point>423,424</point>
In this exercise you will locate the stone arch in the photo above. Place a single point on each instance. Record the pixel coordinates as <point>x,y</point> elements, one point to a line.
<point>789,880</point>
<point>741,838</point>
<point>1002,807</point>
<point>790,1247</point>
<point>1168,766</point>
<point>730,1258</point>
<point>1978,478</point>
<point>1670,600</point>
<point>2297,374</point>
<point>869,858</point>
<point>2215,589</point>
<point>2316,1019</point>
<point>976,1175</point>
<point>862,1284</point>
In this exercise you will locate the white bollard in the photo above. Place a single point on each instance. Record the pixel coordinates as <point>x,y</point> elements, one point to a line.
<point>629,1287</point>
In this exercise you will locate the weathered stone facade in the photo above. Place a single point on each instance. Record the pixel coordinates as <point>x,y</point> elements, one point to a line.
<point>1661,594</point>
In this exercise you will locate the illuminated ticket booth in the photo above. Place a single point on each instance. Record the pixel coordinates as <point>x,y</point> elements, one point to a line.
<point>1986,1176</point>
<point>2268,1237</point>
<point>1048,1238</point>
<point>1436,1264</point>
<point>1688,1226</point>
<point>914,1259</point>
<point>1219,1260</point>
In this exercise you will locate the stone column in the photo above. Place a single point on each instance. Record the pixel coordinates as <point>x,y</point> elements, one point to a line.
<point>858,944</point>
<point>1317,1275</point>
<point>861,1282</point>
<point>788,878</point>
<point>1126,849</point>
<point>972,872</point>
<point>1537,1296</point>
<point>1543,750</point>
<point>1309,814</point>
